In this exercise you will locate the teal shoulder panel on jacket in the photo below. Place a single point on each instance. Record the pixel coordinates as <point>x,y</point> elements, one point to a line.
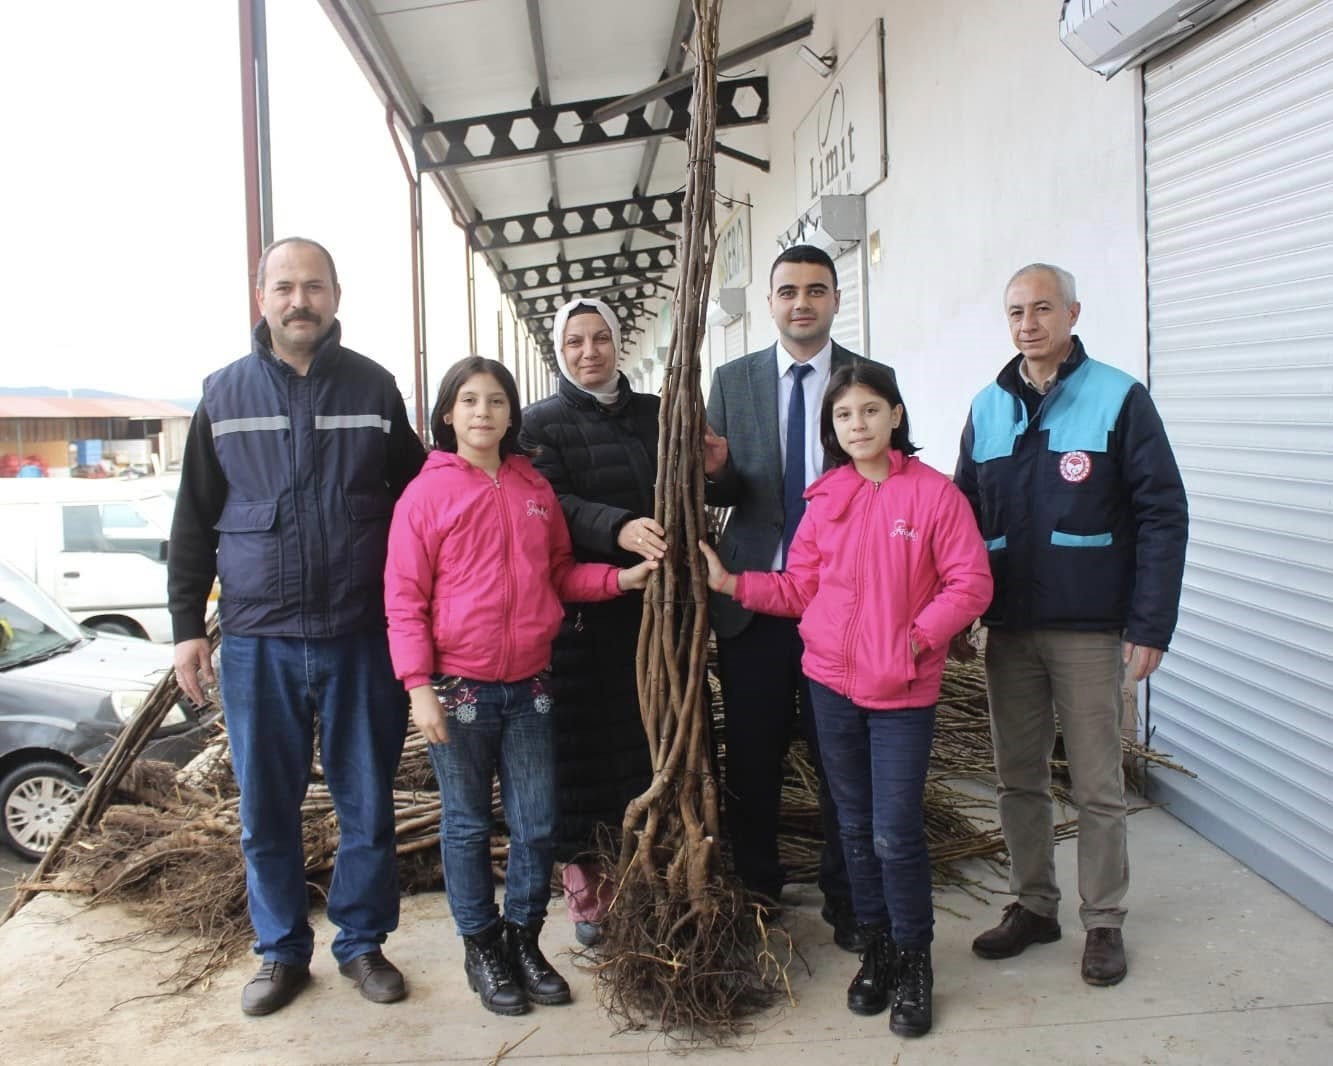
<point>998,420</point>
<point>1083,412</point>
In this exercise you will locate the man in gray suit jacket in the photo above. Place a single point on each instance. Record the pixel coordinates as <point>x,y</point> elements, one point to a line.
<point>762,451</point>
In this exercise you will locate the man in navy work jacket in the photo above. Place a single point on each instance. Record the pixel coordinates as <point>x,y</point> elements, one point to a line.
<point>763,451</point>
<point>293,463</point>
<point>1077,494</point>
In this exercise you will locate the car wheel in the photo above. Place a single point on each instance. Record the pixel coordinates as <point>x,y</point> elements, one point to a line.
<point>36,800</point>
<point>117,629</point>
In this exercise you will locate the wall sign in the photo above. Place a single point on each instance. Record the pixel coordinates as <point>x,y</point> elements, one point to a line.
<point>731,264</point>
<point>840,145</point>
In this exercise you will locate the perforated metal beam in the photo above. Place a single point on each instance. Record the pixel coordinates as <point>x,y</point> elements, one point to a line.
<point>655,213</point>
<point>638,263</point>
<point>627,310</point>
<point>542,129</point>
<point>614,296</point>
<point>768,43</point>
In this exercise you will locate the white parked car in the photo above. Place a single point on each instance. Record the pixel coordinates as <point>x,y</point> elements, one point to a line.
<point>98,547</point>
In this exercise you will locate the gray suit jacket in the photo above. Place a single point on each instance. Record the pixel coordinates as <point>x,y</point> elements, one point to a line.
<point>743,407</point>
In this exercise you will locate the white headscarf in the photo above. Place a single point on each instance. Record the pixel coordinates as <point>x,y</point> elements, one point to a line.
<point>558,340</point>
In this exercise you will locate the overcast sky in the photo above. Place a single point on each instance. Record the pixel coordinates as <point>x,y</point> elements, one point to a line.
<point>124,208</point>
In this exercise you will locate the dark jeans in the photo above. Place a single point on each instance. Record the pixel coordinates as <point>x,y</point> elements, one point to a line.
<point>767,704</point>
<point>274,689</point>
<point>876,763</point>
<point>504,727</point>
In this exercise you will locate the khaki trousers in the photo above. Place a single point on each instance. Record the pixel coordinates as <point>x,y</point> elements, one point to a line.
<point>1033,677</point>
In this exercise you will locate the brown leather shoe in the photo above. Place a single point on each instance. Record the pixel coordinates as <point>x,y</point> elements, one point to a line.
<point>376,978</point>
<point>1104,957</point>
<point>273,987</point>
<point>1017,929</point>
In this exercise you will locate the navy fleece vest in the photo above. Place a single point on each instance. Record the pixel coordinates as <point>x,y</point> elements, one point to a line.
<point>302,535</point>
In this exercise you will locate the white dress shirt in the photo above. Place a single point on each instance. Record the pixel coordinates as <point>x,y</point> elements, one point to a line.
<point>813,390</point>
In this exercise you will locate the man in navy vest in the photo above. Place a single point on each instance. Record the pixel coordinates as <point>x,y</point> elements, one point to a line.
<point>762,452</point>
<point>1076,491</point>
<point>295,457</point>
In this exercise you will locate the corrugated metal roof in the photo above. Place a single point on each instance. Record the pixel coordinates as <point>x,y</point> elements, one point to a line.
<point>447,61</point>
<point>66,407</point>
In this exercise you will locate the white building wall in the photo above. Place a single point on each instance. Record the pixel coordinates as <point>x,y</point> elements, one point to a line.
<point>1002,150</point>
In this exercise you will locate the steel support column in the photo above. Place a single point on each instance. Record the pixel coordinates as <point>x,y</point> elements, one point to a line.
<point>255,139</point>
<point>418,281</point>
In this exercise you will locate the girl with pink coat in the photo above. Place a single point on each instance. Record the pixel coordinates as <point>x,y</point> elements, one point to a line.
<point>886,567</point>
<point>479,560</point>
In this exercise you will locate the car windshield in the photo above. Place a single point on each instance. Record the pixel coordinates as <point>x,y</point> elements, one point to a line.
<point>32,626</point>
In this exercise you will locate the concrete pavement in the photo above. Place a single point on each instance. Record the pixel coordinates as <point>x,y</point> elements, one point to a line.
<point>1224,969</point>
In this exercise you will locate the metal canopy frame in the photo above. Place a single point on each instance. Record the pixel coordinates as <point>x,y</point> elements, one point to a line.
<point>642,263</point>
<point>448,150</point>
<point>630,292</point>
<point>546,129</point>
<point>655,214</point>
<point>668,85</point>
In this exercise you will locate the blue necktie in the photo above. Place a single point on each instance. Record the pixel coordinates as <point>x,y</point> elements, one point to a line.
<point>793,474</point>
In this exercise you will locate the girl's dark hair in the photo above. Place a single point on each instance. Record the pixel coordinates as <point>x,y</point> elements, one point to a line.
<point>880,380</point>
<point>446,440</point>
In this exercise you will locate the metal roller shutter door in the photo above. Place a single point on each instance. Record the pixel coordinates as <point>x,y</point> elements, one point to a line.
<point>1238,141</point>
<point>733,334</point>
<point>849,324</point>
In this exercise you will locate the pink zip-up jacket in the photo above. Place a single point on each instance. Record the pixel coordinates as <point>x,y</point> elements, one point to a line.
<point>476,572</point>
<point>872,568</point>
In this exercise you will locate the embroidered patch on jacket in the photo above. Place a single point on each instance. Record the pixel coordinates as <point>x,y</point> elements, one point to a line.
<point>537,510</point>
<point>902,529</point>
<point>1075,466</point>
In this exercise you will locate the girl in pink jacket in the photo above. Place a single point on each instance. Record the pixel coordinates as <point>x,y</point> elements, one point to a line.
<point>886,567</point>
<point>479,560</point>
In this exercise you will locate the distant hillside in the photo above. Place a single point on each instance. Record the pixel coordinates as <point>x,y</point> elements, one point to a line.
<point>41,392</point>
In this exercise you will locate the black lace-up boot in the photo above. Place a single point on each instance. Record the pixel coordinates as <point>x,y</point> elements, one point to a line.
<point>530,968</point>
<point>869,991</point>
<point>911,1015</point>
<point>486,963</point>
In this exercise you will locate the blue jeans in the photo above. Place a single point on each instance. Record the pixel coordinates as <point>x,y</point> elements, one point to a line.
<point>505,727</point>
<point>274,690</point>
<point>876,765</point>
<point>767,700</point>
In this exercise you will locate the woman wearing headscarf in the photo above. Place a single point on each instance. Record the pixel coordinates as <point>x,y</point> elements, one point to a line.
<point>596,442</point>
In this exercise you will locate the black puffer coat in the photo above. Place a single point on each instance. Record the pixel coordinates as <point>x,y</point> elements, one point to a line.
<point>602,462</point>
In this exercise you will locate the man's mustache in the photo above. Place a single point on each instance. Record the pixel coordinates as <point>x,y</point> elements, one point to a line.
<point>300,316</point>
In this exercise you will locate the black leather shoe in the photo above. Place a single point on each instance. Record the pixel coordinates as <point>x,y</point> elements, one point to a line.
<point>486,964</point>
<point>912,999</point>
<point>379,980</point>
<point>1018,929</point>
<point>847,934</point>
<point>874,981</point>
<point>1104,957</point>
<point>273,987</point>
<point>530,967</point>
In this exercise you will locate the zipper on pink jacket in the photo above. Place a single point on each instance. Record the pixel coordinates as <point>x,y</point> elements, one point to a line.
<point>507,540</point>
<point>856,587</point>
